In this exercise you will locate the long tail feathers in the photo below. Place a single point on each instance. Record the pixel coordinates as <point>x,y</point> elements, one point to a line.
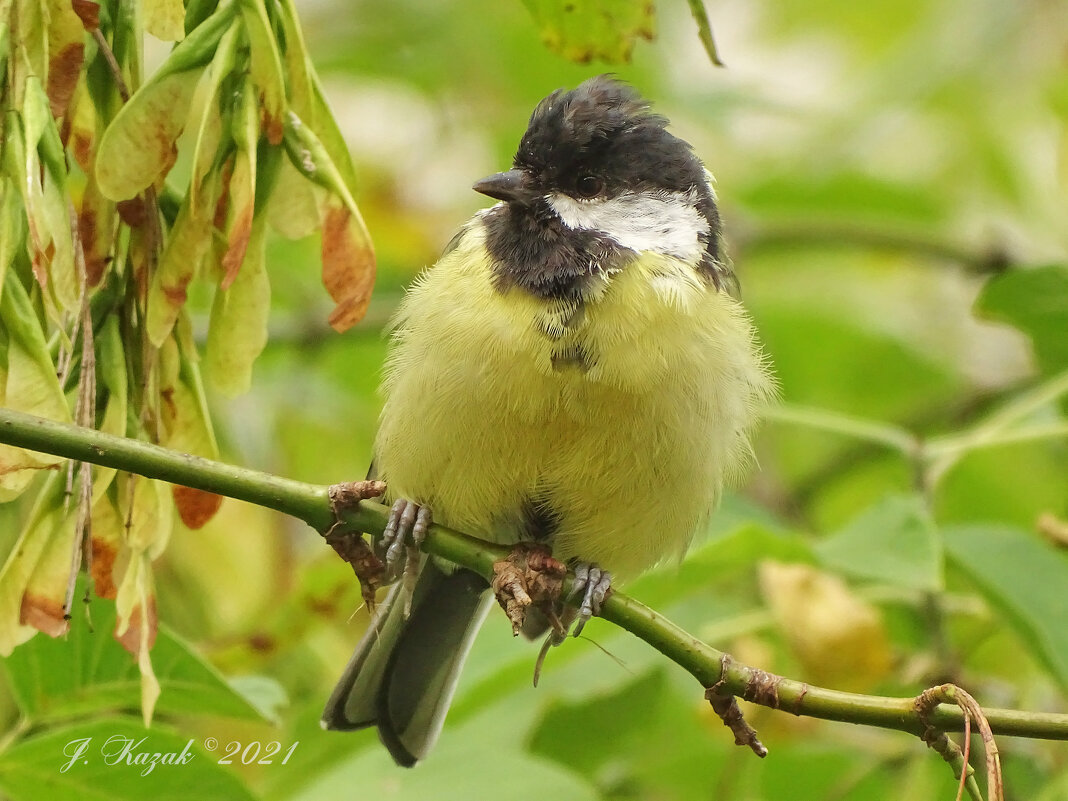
<point>404,672</point>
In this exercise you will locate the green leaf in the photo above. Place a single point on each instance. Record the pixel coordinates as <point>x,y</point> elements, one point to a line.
<point>238,330</point>
<point>90,671</point>
<point>298,66</point>
<point>266,67</point>
<point>894,541</point>
<point>583,30</point>
<point>452,773</point>
<point>48,764</point>
<point>846,195</point>
<point>1024,578</point>
<point>12,227</point>
<point>1036,302</point>
<point>617,721</point>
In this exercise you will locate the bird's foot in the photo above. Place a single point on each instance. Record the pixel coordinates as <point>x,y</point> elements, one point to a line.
<point>529,575</point>
<point>350,545</point>
<point>401,544</point>
<point>594,584</point>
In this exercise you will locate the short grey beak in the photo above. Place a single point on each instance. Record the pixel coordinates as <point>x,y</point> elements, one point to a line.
<point>512,186</point>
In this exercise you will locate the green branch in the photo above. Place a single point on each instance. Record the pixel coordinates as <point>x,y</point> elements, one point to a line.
<point>311,503</point>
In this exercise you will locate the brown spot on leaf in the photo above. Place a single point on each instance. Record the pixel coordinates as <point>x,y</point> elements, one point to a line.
<point>131,638</point>
<point>88,12</point>
<point>96,251</point>
<point>273,126</point>
<point>237,245</point>
<point>195,507</point>
<point>222,205</point>
<point>263,643</point>
<point>170,156</point>
<point>167,396</point>
<point>175,292</point>
<point>132,211</point>
<point>44,614</point>
<point>103,562</point>
<point>348,266</point>
<point>64,68</point>
<point>81,146</point>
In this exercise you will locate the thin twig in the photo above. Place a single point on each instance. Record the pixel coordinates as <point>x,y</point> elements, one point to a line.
<point>113,64</point>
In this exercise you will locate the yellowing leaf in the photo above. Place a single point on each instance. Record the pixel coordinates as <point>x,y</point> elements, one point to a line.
<point>12,231</point>
<point>583,30</point>
<point>33,39</point>
<point>45,594</point>
<point>242,198</point>
<point>30,385</point>
<point>13,578</point>
<point>238,330</point>
<point>206,115</point>
<point>81,124</point>
<point>136,625</point>
<point>66,50</point>
<point>301,93</point>
<point>97,219</point>
<point>106,543</point>
<point>347,253</point>
<point>164,19</point>
<point>187,429</point>
<point>293,210</point>
<point>138,147</point>
<point>266,67</point>
<point>348,264</point>
<point>839,638</point>
<point>42,184</point>
<point>187,243</point>
<point>46,515</point>
<point>149,516</point>
<point>330,136</point>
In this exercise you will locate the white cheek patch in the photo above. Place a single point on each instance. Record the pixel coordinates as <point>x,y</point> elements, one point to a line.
<point>663,222</point>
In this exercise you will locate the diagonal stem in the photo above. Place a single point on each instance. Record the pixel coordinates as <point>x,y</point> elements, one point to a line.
<point>311,503</point>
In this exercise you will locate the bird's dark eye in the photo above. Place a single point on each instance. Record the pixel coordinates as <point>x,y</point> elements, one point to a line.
<point>589,186</point>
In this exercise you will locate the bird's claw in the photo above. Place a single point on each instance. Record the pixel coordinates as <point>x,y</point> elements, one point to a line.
<point>595,584</point>
<point>528,575</point>
<point>350,545</point>
<point>401,542</point>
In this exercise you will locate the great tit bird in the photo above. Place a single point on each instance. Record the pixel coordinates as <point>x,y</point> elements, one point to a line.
<point>576,370</point>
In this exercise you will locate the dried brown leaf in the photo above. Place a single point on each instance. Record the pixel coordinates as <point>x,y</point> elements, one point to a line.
<point>129,636</point>
<point>44,614</point>
<point>195,507</point>
<point>66,52</point>
<point>348,264</point>
<point>96,229</point>
<point>63,70</point>
<point>88,12</point>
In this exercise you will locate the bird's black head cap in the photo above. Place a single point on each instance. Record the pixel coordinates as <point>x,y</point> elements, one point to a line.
<point>593,143</point>
<point>604,129</point>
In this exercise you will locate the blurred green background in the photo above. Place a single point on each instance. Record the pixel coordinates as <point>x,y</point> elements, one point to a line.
<point>882,167</point>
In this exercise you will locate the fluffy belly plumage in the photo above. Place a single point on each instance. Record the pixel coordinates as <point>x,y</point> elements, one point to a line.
<point>607,427</point>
